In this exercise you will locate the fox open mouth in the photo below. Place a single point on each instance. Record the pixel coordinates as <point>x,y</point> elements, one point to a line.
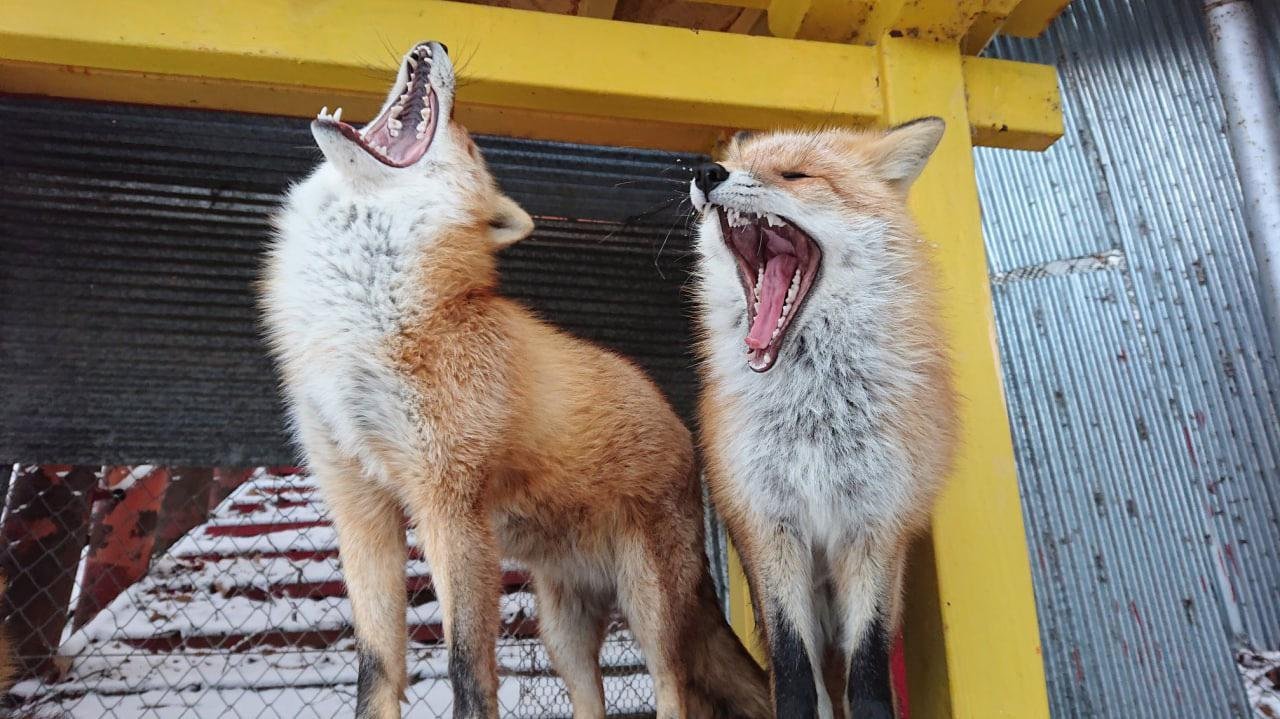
<point>403,132</point>
<point>777,263</point>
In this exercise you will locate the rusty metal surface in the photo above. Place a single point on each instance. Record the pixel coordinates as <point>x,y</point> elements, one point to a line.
<point>45,528</point>
<point>122,531</point>
<point>1142,393</point>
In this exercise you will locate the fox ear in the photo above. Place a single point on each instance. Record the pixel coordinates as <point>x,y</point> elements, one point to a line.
<point>508,222</point>
<point>902,152</point>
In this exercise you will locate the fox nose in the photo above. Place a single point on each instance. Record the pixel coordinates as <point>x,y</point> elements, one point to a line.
<point>709,175</point>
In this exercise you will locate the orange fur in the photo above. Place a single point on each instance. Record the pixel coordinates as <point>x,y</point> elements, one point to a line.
<point>413,386</point>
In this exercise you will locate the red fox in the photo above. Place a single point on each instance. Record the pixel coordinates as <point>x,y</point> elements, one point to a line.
<point>828,413</point>
<point>412,386</point>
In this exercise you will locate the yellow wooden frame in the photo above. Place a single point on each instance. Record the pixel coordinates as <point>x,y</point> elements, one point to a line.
<point>528,73</point>
<point>972,637</point>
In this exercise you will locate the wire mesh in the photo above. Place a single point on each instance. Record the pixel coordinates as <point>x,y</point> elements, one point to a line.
<point>114,612</point>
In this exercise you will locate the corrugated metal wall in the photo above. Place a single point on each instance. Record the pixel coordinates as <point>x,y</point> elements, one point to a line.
<point>129,238</point>
<point>1143,408</point>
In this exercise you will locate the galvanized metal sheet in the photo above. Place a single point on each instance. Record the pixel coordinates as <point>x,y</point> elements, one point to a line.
<point>130,236</point>
<point>1143,405</point>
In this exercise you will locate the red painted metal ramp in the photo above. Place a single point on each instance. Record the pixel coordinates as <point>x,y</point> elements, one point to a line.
<point>247,616</point>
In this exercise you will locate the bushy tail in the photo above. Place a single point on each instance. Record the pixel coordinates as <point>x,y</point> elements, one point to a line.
<point>727,681</point>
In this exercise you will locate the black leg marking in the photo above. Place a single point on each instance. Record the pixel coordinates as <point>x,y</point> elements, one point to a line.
<point>469,698</point>
<point>371,675</point>
<point>870,692</point>
<point>795,692</point>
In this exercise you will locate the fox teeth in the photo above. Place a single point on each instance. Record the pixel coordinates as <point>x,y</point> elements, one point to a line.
<point>773,220</point>
<point>324,113</point>
<point>337,115</point>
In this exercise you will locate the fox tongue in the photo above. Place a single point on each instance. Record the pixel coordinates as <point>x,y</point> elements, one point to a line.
<point>773,289</point>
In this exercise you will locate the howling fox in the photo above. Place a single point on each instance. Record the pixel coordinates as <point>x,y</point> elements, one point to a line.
<point>828,413</point>
<point>413,387</point>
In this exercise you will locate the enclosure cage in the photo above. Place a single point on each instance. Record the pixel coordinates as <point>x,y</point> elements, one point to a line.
<point>165,557</point>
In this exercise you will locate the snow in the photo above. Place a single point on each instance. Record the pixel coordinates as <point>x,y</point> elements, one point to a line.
<point>1261,674</point>
<point>144,654</point>
<point>135,474</point>
<point>430,697</point>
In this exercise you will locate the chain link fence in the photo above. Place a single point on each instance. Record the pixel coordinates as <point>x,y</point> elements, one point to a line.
<point>193,592</point>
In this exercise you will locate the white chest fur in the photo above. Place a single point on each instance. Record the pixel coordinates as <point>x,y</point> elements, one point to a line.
<point>339,288</point>
<point>814,439</point>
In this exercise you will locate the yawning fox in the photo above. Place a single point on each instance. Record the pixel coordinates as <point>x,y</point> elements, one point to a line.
<point>828,413</point>
<point>412,386</point>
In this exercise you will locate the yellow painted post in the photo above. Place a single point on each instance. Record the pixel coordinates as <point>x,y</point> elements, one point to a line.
<point>973,649</point>
<point>741,616</point>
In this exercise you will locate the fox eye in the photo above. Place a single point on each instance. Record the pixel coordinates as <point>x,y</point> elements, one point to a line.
<point>794,176</point>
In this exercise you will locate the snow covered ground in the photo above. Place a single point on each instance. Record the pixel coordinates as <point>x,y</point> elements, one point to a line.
<point>246,617</point>
<point>1261,672</point>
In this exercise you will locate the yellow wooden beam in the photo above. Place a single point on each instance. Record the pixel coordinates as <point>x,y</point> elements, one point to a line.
<point>525,73</point>
<point>865,21</point>
<point>1032,17</point>
<point>509,58</point>
<point>941,20</point>
<point>973,646</point>
<point>602,9</point>
<point>748,4</point>
<point>1008,105</point>
<point>985,24</point>
<point>298,101</point>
